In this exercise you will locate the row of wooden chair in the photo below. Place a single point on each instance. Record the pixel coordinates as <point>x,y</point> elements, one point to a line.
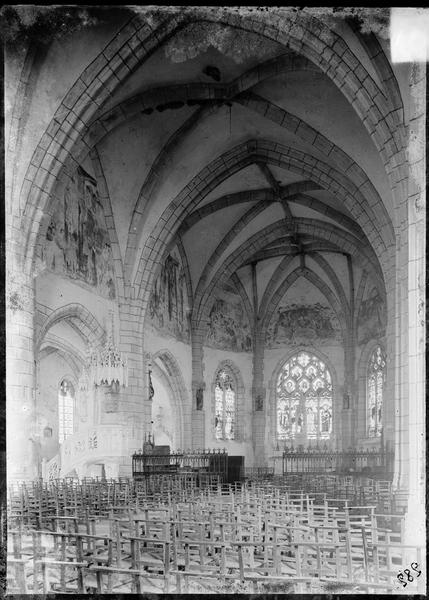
<point>59,561</point>
<point>253,538</point>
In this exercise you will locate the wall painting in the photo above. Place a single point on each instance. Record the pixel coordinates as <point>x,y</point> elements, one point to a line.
<point>77,241</point>
<point>300,324</point>
<point>372,318</point>
<point>168,304</point>
<point>229,327</point>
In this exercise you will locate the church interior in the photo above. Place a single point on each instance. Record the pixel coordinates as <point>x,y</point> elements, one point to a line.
<point>215,302</point>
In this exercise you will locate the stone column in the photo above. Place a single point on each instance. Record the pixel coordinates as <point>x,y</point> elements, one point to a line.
<point>134,399</point>
<point>20,376</point>
<point>260,408</point>
<point>200,401</point>
<point>415,520</point>
<point>349,394</point>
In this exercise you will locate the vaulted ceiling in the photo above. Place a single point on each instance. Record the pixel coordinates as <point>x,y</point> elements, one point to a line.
<point>252,159</point>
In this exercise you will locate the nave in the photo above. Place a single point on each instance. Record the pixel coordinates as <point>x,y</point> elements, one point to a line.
<point>301,534</point>
<point>215,300</point>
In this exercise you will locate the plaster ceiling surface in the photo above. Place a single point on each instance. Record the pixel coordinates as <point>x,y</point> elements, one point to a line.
<point>203,146</point>
<point>285,177</point>
<point>187,54</point>
<point>304,292</point>
<point>307,213</point>
<point>65,331</point>
<point>272,214</point>
<point>203,238</point>
<point>249,178</point>
<point>330,200</point>
<point>245,277</point>
<point>45,94</point>
<point>265,270</point>
<point>313,98</point>
<point>337,262</point>
<point>127,156</point>
<point>200,169</point>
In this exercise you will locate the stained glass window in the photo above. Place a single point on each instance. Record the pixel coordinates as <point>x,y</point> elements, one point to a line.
<point>65,410</point>
<point>304,399</point>
<point>225,406</point>
<point>376,378</point>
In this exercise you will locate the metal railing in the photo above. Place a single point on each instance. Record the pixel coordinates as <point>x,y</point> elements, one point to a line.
<point>213,461</point>
<point>312,460</point>
<point>256,473</point>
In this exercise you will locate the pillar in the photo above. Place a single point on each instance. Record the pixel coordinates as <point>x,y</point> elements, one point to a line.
<point>200,397</point>
<point>20,377</point>
<point>259,401</point>
<point>415,519</point>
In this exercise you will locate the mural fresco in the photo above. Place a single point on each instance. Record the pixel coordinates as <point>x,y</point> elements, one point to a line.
<point>168,304</point>
<point>77,242</point>
<point>298,324</point>
<point>229,327</point>
<point>372,318</point>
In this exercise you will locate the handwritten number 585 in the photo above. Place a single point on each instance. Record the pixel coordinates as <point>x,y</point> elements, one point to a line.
<point>407,572</point>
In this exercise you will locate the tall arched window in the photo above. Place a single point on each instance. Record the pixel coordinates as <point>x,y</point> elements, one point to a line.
<point>304,399</point>
<point>66,397</point>
<point>376,377</point>
<point>225,405</point>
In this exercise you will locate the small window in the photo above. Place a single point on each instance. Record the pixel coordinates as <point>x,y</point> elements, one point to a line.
<point>225,405</point>
<point>376,376</point>
<point>66,397</point>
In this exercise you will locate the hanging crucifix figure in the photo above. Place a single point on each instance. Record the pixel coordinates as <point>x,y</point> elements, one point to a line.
<point>151,389</point>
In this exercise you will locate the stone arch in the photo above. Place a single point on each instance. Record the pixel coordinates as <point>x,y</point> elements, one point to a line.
<point>161,375</point>
<point>149,99</point>
<point>239,397</point>
<point>185,264</point>
<point>356,178</point>
<point>66,351</point>
<point>136,41</point>
<point>88,326</point>
<point>242,253</point>
<point>323,287</point>
<point>288,191</point>
<point>104,195</point>
<point>271,407</point>
<point>244,297</point>
<point>237,226</point>
<point>73,379</point>
<point>213,174</point>
<point>336,283</point>
<point>180,396</point>
<point>359,296</point>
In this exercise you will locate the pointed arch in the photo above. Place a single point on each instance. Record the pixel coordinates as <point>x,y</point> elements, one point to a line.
<point>172,373</point>
<point>314,279</point>
<point>336,400</point>
<point>137,40</point>
<point>87,324</point>
<point>362,375</point>
<point>228,367</point>
<point>319,229</point>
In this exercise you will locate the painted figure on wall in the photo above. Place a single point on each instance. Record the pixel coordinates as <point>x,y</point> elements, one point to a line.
<point>372,319</point>
<point>168,305</point>
<point>199,396</point>
<point>77,241</point>
<point>229,327</point>
<point>297,324</point>
<point>259,403</point>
